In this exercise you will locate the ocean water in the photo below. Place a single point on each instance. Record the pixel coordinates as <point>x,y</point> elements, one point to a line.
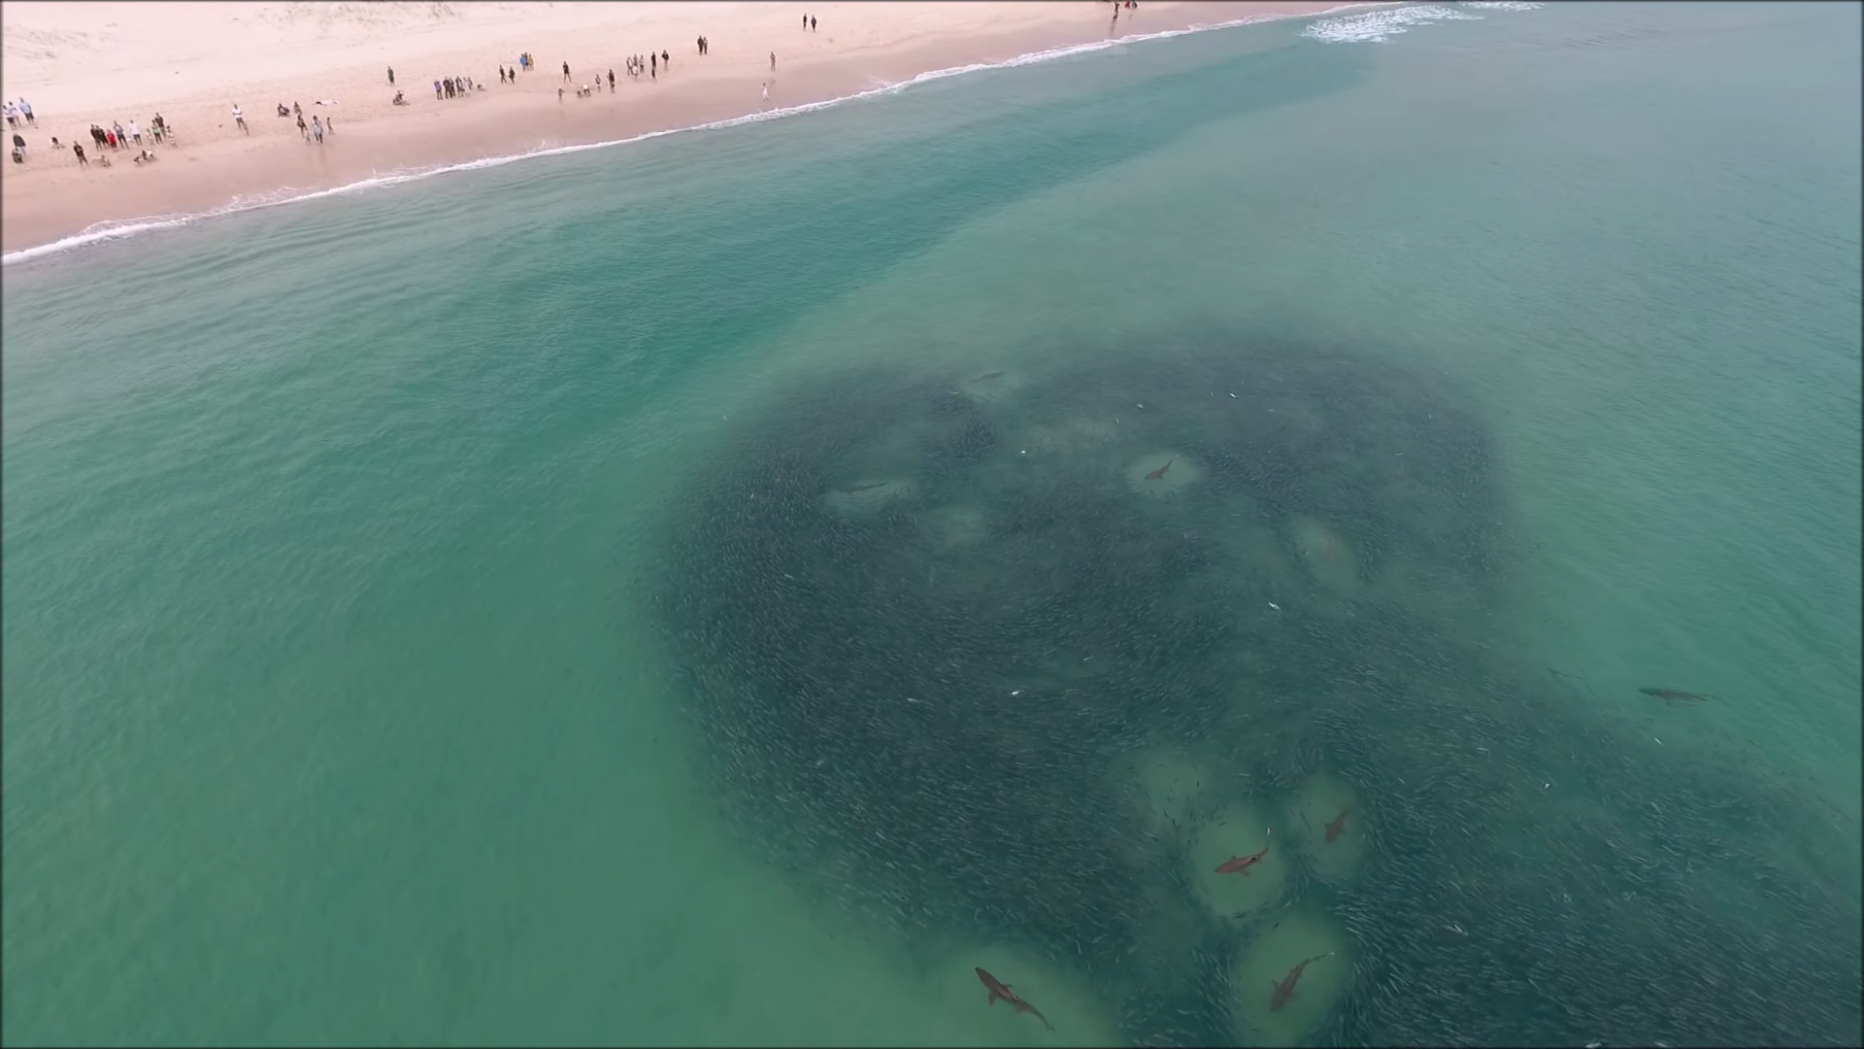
<point>726,588</point>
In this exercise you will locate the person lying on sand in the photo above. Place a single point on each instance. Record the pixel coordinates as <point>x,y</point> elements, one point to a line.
<point>145,157</point>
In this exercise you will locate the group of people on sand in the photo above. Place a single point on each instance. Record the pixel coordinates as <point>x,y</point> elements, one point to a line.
<point>652,67</point>
<point>118,137</point>
<point>314,131</point>
<point>451,87</point>
<point>17,112</point>
<point>104,140</point>
<point>633,66</point>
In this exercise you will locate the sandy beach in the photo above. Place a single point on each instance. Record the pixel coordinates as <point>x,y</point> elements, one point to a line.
<point>191,63</point>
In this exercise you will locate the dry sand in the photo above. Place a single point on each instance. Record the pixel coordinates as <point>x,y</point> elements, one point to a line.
<point>84,63</point>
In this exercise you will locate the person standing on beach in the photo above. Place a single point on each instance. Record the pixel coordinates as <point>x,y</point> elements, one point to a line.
<point>12,114</point>
<point>302,129</point>
<point>317,129</point>
<point>135,133</point>
<point>436,89</point>
<point>812,27</point>
<point>773,61</point>
<point>121,139</point>
<point>566,72</point>
<point>666,60</point>
<point>766,92</point>
<point>25,110</point>
<point>653,65</point>
<point>239,119</point>
<point>611,81</point>
<point>79,150</point>
<point>391,76</point>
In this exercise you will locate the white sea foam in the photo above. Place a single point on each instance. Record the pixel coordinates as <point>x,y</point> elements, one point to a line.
<point>105,231</point>
<point>1377,26</point>
<point>1374,27</point>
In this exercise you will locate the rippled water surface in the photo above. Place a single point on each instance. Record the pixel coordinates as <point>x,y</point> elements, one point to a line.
<point>735,587</point>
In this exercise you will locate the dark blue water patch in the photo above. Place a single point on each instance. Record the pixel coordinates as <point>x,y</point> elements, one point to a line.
<point>924,722</point>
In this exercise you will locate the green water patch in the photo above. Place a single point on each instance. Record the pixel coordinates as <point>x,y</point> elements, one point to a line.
<point>956,665</point>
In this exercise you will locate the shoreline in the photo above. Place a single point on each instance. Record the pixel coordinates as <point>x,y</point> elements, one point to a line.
<point>52,204</point>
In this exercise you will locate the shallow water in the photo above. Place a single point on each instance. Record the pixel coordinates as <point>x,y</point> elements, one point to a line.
<point>438,614</point>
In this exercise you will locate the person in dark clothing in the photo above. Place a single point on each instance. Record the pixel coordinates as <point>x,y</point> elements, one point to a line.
<point>653,65</point>
<point>79,150</point>
<point>611,81</point>
<point>566,72</point>
<point>812,23</point>
<point>391,76</point>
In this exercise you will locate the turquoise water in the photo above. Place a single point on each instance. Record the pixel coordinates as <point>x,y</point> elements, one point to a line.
<point>381,573</point>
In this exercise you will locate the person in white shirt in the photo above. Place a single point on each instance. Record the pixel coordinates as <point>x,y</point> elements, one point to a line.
<point>135,133</point>
<point>239,118</point>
